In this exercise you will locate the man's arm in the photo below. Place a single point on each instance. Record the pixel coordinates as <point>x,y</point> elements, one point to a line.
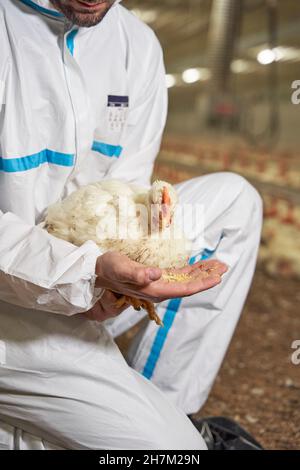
<point>37,270</point>
<point>145,122</point>
<point>42,272</point>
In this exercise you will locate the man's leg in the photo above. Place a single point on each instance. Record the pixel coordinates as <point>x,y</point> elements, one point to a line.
<point>13,438</point>
<point>184,357</point>
<point>64,380</point>
<point>48,423</point>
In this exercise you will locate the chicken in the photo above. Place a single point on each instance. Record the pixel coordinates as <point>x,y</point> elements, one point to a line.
<point>126,218</point>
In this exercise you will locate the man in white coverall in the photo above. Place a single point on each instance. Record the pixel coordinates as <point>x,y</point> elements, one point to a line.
<point>68,68</point>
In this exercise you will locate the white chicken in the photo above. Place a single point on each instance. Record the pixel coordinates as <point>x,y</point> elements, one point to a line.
<point>126,218</point>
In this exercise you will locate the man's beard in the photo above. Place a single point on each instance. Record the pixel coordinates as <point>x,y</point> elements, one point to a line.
<point>81,19</point>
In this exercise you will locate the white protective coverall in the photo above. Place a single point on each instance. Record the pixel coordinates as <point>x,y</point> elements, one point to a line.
<point>78,105</point>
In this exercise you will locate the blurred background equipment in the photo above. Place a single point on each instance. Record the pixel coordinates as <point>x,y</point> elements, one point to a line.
<point>230,66</point>
<point>223,109</point>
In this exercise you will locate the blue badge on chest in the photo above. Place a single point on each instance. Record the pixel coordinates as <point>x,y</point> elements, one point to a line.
<point>115,101</point>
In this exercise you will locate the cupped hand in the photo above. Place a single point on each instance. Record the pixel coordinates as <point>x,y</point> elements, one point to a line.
<point>119,274</point>
<point>105,308</point>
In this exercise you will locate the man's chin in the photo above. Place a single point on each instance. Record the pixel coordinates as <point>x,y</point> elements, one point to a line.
<point>87,19</point>
<point>81,18</point>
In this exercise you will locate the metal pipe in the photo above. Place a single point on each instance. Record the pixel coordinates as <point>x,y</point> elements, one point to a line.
<point>224,28</point>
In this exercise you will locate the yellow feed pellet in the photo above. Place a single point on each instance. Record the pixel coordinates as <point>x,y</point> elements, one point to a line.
<point>173,277</point>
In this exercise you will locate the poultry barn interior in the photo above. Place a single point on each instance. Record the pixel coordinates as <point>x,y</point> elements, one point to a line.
<point>232,68</point>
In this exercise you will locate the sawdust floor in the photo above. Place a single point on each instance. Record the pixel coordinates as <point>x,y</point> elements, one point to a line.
<point>258,385</point>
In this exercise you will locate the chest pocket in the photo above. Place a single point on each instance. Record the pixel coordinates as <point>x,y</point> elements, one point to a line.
<point>109,132</point>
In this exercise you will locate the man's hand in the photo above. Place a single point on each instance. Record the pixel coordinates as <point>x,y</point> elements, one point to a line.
<point>105,308</point>
<point>117,273</point>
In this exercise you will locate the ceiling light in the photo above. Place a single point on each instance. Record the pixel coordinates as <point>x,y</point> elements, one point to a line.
<point>287,54</point>
<point>239,66</point>
<point>170,80</point>
<point>191,75</point>
<point>266,56</point>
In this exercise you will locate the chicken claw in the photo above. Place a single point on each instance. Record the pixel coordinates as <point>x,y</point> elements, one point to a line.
<point>138,304</point>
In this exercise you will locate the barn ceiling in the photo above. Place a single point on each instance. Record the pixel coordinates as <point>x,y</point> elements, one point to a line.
<point>182,27</point>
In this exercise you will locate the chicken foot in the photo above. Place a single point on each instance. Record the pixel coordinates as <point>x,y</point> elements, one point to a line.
<point>138,304</point>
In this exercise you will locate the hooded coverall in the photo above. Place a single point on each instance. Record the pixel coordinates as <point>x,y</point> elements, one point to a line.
<point>78,105</point>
